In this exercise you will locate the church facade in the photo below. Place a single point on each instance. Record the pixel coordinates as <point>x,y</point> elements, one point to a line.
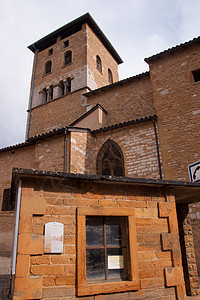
<point>106,162</point>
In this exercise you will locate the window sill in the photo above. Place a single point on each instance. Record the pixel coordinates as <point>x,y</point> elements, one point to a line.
<point>46,74</point>
<point>67,65</point>
<point>107,288</point>
<point>100,71</point>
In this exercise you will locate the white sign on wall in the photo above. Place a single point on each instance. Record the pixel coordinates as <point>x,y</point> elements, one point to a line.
<point>115,262</point>
<point>194,171</point>
<point>53,240</point>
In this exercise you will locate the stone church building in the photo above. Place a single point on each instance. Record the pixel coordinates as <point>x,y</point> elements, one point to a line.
<point>97,202</point>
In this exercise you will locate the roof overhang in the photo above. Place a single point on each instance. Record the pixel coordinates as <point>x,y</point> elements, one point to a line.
<point>70,29</point>
<point>184,192</point>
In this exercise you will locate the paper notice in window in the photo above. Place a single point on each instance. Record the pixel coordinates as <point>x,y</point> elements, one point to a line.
<point>115,262</point>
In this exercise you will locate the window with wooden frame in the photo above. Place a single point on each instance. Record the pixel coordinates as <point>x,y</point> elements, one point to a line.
<point>106,251</point>
<point>110,159</point>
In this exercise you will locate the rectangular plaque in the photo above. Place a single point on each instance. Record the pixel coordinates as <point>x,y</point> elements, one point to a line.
<point>115,262</point>
<point>53,242</point>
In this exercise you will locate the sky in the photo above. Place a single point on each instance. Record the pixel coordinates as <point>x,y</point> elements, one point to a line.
<point>136,28</point>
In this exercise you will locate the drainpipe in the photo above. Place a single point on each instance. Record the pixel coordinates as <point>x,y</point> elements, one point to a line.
<point>31,99</point>
<point>158,152</point>
<point>14,256</point>
<point>65,152</point>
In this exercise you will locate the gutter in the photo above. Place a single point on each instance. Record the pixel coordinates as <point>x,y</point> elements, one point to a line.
<point>14,256</point>
<point>158,150</point>
<point>31,100</point>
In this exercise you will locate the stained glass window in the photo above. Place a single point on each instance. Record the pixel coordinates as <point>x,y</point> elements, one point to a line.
<point>110,160</point>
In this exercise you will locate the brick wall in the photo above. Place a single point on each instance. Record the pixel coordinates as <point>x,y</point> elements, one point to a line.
<point>175,97</point>
<point>138,145</point>
<point>129,101</point>
<point>54,275</point>
<point>47,154</point>
<point>96,78</point>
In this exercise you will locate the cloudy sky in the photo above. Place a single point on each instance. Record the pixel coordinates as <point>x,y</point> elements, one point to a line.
<point>136,28</point>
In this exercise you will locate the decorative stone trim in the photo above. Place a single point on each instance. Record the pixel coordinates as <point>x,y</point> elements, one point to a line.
<point>170,242</point>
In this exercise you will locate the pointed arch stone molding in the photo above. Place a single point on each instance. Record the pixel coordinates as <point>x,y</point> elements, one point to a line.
<point>110,159</point>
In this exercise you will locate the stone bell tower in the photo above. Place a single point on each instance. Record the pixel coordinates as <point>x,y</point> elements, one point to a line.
<point>74,59</point>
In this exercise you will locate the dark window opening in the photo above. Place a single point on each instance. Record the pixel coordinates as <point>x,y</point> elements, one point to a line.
<point>110,76</point>
<point>65,86</point>
<point>196,75</point>
<point>50,93</point>
<point>48,67</point>
<point>68,58</point>
<point>99,64</point>
<point>66,43</point>
<point>50,51</point>
<point>7,203</point>
<point>110,160</point>
<point>106,248</point>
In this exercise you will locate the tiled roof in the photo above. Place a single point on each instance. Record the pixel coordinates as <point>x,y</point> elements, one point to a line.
<point>173,49</point>
<point>125,124</point>
<point>33,140</point>
<point>118,83</point>
<point>88,113</point>
<point>71,28</point>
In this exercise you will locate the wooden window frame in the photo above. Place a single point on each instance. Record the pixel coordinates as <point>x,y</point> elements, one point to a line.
<point>85,288</point>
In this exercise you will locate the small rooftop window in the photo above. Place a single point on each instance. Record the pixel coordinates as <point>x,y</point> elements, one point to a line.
<point>50,52</point>
<point>66,43</point>
<point>196,75</point>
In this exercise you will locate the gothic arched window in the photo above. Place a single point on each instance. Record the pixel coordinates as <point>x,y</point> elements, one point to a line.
<point>110,159</point>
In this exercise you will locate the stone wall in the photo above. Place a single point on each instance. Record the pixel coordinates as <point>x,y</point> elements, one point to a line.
<point>42,276</point>
<point>138,145</point>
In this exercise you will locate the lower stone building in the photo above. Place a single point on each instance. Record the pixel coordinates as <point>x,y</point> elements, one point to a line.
<point>100,237</point>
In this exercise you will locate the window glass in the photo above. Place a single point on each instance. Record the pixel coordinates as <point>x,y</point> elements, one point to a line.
<point>95,264</point>
<point>110,160</point>
<point>106,251</point>
<point>94,231</point>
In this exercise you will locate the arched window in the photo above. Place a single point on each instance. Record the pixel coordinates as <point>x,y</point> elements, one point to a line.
<point>110,159</point>
<point>99,64</point>
<point>68,58</point>
<point>48,67</point>
<point>110,76</point>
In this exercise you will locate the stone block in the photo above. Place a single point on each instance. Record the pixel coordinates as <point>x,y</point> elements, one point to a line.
<point>33,205</point>
<point>25,223</point>
<point>65,280</point>
<point>30,244</point>
<point>28,288</point>
<point>174,276</point>
<point>22,266</point>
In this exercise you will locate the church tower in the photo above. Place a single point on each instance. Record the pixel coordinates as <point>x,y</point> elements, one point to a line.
<point>68,62</point>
